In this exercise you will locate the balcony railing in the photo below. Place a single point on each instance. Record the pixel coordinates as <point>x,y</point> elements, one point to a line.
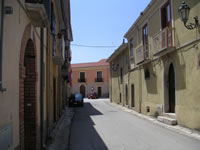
<point>163,40</point>
<point>58,60</point>
<point>139,54</point>
<point>35,1</point>
<point>98,79</point>
<point>82,80</point>
<point>38,11</point>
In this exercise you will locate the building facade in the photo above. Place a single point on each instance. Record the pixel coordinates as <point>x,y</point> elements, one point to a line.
<point>119,71</point>
<point>32,33</point>
<point>87,77</point>
<point>164,63</point>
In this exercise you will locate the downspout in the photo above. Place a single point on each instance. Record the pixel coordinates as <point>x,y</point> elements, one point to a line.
<point>140,89</point>
<point>1,47</point>
<point>41,84</point>
<point>110,95</point>
<point>49,82</point>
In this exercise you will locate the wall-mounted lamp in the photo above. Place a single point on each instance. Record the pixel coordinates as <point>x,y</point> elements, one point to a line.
<point>184,11</point>
<point>114,66</point>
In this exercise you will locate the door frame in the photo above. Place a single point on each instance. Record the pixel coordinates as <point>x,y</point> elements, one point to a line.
<point>166,86</point>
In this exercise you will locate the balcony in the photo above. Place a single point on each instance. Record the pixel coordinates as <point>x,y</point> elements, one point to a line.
<point>38,12</point>
<point>141,54</point>
<point>82,80</point>
<point>163,41</point>
<point>58,60</point>
<point>98,79</point>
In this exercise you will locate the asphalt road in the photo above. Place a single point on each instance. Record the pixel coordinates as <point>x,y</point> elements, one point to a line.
<point>101,126</point>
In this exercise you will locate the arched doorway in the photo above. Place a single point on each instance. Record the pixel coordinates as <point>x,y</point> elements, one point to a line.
<point>30,97</point>
<point>171,92</point>
<point>82,90</point>
<point>27,92</point>
<point>126,91</point>
<point>132,95</point>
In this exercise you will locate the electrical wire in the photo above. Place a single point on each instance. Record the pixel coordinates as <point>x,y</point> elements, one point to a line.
<point>93,46</point>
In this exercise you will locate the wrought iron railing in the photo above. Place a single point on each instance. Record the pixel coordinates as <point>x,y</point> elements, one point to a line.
<point>35,1</point>
<point>163,40</point>
<point>82,80</point>
<point>139,54</point>
<point>98,79</point>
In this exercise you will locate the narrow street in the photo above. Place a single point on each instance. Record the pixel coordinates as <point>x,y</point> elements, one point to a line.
<point>101,126</point>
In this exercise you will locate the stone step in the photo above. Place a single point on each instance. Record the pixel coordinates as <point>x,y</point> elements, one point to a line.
<point>170,115</point>
<point>166,120</point>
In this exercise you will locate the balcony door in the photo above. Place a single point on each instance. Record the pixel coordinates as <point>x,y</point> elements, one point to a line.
<point>99,76</point>
<point>145,36</point>
<point>82,76</point>
<point>166,15</point>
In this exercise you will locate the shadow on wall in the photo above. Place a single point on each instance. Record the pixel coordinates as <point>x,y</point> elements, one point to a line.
<point>83,134</point>
<point>150,78</point>
<point>180,72</point>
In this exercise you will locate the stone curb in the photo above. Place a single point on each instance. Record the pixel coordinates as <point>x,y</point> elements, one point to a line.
<point>61,133</point>
<point>179,129</point>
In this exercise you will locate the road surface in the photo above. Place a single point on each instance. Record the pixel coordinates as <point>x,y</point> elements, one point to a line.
<point>101,126</point>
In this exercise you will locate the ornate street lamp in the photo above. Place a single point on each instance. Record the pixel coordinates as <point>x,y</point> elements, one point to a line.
<point>184,11</point>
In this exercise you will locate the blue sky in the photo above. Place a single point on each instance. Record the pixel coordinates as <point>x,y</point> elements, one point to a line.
<point>101,23</point>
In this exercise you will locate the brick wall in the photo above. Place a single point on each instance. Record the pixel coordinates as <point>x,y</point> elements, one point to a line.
<point>27,91</point>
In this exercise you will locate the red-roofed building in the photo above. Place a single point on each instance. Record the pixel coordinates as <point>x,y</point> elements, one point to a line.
<point>87,77</point>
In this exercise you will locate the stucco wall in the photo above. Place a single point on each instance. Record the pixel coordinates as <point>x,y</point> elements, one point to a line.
<point>153,92</point>
<point>90,76</point>
<point>14,26</point>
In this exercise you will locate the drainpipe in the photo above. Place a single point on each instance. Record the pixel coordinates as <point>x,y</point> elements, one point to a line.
<point>110,95</point>
<point>1,47</point>
<point>140,90</point>
<point>41,84</point>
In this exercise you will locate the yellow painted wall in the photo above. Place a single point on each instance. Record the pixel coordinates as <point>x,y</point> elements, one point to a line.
<point>152,92</point>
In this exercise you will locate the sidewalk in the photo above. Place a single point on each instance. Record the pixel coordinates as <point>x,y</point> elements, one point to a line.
<point>61,133</point>
<point>177,128</point>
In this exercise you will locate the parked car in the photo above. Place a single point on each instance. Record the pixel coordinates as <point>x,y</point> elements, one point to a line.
<point>92,95</point>
<point>76,99</point>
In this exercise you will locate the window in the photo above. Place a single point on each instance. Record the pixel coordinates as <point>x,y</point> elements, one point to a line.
<point>99,74</point>
<point>131,48</point>
<point>145,41</point>
<point>82,75</point>
<point>121,75</point>
<point>166,15</point>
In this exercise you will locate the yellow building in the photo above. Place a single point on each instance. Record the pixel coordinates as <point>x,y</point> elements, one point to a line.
<point>164,63</point>
<point>31,46</point>
<point>119,73</point>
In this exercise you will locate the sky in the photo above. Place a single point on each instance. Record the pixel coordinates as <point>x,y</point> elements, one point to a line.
<point>101,23</point>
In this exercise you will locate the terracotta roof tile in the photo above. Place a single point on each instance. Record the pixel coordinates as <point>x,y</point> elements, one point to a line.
<point>102,62</point>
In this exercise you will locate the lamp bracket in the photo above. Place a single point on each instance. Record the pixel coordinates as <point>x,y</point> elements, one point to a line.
<point>192,26</point>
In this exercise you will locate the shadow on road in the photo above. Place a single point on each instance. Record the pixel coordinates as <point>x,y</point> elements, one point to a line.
<point>83,133</point>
